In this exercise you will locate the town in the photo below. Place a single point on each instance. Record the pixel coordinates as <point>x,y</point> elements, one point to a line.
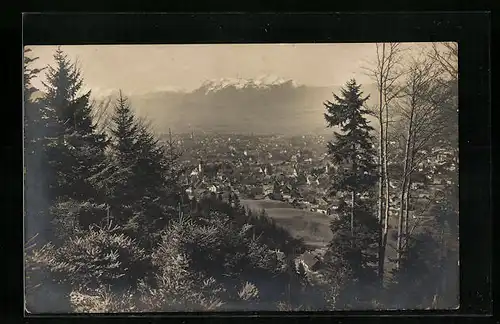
<point>291,169</point>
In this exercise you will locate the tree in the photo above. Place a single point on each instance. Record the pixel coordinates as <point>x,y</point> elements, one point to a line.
<point>445,54</point>
<point>36,205</point>
<point>386,74</point>
<point>445,57</point>
<point>29,73</point>
<point>143,176</point>
<point>74,147</point>
<point>422,124</point>
<point>355,230</point>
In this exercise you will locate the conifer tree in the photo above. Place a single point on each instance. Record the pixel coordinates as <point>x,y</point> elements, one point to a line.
<point>354,245</point>
<point>144,182</point>
<point>36,202</point>
<point>75,149</point>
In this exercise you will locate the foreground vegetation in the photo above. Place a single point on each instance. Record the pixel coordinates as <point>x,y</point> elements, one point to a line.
<point>109,227</point>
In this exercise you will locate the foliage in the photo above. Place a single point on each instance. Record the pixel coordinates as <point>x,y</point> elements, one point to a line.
<point>142,173</point>
<point>353,249</point>
<point>414,284</point>
<point>70,217</point>
<point>102,300</point>
<point>95,257</point>
<point>35,172</point>
<point>74,149</point>
<point>125,238</point>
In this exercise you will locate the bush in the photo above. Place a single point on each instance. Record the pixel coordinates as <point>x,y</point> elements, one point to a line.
<point>102,300</point>
<point>95,257</point>
<point>414,284</point>
<point>41,294</point>
<point>216,248</point>
<point>179,287</point>
<point>70,216</point>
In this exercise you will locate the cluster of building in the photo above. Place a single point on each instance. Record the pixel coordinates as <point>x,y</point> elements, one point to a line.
<point>293,170</point>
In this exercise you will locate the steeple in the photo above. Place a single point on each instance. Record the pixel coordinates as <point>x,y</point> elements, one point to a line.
<point>200,166</point>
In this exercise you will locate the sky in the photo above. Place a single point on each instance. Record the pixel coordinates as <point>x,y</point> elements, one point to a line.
<point>147,68</point>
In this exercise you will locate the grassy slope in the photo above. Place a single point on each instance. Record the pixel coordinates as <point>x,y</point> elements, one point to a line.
<point>313,227</point>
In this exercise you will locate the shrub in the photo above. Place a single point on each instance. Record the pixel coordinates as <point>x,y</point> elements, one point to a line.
<point>179,287</point>
<point>40,292</point>
<point>216,248</point>
<point>71,216</point>
<point>95,257</point>
<point>102,300</point>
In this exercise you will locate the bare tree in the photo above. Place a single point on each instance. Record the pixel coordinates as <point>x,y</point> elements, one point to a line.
<point>445,54</point>
<point>102,113</point>
<point>422,121</point>
<point>386,74</point>
<point>445,57</point>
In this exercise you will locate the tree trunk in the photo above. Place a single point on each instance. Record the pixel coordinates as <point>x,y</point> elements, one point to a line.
<point>404,189</point>
<point>386,172</point>
<point>400,222</point>
<point>407,210</point>
<point>411,167</point>
<point>353,194</point>
<point>381,156</point>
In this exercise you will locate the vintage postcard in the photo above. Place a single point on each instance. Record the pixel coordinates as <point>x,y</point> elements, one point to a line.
<point>241,177</point>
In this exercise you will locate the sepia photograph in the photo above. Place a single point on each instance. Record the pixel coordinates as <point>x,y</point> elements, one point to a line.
<point>241,177</point>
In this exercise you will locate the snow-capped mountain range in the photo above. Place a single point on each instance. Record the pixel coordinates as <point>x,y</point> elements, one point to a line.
<point>262,82</point>
<point>265,105</point>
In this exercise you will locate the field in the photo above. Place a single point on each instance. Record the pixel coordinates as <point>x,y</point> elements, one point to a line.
<point>313,227</point>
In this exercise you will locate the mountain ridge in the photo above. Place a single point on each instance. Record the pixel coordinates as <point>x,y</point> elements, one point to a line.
<point>234,106</point>
<point>266,105</point>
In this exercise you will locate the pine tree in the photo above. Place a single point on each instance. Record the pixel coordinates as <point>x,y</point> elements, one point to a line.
<point>354,244</point>
<point>75,149</point>
<point>144,179</point>
<point>36,206</point>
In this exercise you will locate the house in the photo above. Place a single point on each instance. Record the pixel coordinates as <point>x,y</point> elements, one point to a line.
<point>312,180</point>
<point>190,193</point>
<point>295,202</point>
<point>257,190</point>
<point>323,201</point>
<point>195,172</point>
<point>313,207</point>
<point>309,261</point>
<point>198,193</point>
<point>268,189</point>
<point>273,196</point>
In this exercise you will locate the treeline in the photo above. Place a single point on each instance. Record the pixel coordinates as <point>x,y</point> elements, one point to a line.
<point>395,241</point>
<point>109,227</point>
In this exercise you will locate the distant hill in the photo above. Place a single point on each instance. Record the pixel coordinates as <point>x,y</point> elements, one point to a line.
<point>240,106</point>
<point>262,106</point>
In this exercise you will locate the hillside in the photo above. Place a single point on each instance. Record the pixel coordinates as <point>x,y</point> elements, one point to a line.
<point>313,227</point>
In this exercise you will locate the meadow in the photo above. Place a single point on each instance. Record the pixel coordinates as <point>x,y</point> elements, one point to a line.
<point>313,227</point>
